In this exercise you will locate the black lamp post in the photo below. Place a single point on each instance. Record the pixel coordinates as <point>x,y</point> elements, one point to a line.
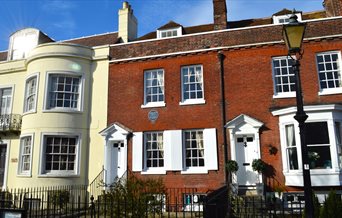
<point>293,34</point>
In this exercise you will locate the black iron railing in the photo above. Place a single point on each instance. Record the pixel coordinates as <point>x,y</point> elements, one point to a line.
<point>10,123</point>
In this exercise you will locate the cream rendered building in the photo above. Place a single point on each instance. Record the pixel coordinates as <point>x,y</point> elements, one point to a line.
<point>53,98</point>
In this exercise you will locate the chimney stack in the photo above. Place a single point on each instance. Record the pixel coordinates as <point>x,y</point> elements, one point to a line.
<point>333,8</point>
<point>128,24</point>
<point>220,14</point>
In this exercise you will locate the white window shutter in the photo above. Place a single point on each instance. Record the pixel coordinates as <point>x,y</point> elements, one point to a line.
<point>137,151</point>
<point>173,149</point>
<point>210,149</point>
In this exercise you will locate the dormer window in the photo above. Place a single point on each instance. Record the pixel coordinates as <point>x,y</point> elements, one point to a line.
<point>283,19</point>
<point>22,42</point>
<point>171,29</point>
<point>166,33</point>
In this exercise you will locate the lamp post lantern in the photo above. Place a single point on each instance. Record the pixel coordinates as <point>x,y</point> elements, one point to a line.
<point>293,34</point>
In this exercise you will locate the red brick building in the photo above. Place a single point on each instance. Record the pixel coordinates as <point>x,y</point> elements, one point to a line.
<point>187,99</point>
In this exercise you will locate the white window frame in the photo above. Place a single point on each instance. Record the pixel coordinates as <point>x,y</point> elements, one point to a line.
<point>21,171</point>
<point>329,91</point>
<point>190,100</point>
<point>80,89</point>
<point>210,152</point>
<point>278,19</point>
<point>178,31</point>
<point>60,173</point>
<point>28,79</point>
<point>318,113</point>
<point>152,170</point>
<point>194,168</point>
<point>12,95</point>
<point>154,103</point>
<point>289,94</point>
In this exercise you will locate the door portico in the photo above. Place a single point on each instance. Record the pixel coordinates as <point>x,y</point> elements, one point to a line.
<point>245,147</point>
<point>115,152</point>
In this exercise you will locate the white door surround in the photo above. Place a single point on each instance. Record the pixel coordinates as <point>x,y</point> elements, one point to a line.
<point>4,159</point>
<point>244,147</point>
<point>115,152</point>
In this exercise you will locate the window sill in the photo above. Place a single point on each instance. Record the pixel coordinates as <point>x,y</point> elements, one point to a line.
<point>192,102</point>
<point>153,171</point>
<point>330,91</point>
<point>285,95</point>
<point>153,104</point>
<point>62,111</point>
<point>319,177</point>
<point>195,170</point>
<point>24,175</point>
<point>55,175</point>
<point>30,112</point>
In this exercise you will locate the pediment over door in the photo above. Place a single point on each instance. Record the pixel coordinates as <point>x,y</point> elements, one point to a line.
<point>243,121</point>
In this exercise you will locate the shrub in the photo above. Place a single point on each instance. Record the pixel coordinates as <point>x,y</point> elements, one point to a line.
<point>332,206</point>
<point>259,165</point>
<point>134,196</point>
<point>232,166</point>
<point>59,198</point>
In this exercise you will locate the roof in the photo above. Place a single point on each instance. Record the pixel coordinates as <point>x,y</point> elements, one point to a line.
<point>171,24</point>
<point>96,40</point>
<point>233,24</point>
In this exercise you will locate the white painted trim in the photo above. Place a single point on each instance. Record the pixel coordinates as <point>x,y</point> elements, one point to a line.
<point>36,93</point>
<point>153,104</point>
<point>76,173</point>
<point>310,108</point>
<point>329,91</point>
<point>7,143</point>
<point>192,101</point>
<point>80,107</point>
<point>178,29</point>
<point>19,171</point>
<point>12,86</point>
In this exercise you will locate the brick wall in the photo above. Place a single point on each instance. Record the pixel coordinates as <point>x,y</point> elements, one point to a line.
<point>333,7</point>
<point>126,85</point>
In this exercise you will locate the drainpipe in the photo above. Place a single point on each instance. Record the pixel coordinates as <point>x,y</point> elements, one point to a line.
<point>221,58</point>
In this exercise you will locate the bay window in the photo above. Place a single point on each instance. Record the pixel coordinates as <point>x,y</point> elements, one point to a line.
<point>323,140</point>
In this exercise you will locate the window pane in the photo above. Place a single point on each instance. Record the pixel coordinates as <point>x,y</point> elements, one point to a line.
<point>317,133</point>
<point>61,155</point>
<point>194,148</point>
<point>283,75</point>
<point>154,149</point>
<point>319,157</point>
<point>328,70</point>
<point>62,90</point>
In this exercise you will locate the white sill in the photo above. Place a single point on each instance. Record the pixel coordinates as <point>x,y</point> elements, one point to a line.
<point>192,102</point>
<point>24,175</point>
<point>195,170</point>
<point>61,110</point>
<point>285,95</point>
<point>153,171</point>
<point>153,104</point>
<point>331,91</point>
<point>58,175</point>
<point>30,112</point>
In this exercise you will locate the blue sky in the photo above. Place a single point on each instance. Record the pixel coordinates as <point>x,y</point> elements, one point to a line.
<point>66,19</point>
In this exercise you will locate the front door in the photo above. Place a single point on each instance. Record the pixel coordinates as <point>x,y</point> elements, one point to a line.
<point>3,152</point>
<point>246,152</point>
<point>118,166</point>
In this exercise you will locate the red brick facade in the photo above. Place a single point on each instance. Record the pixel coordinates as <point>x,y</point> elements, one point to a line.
<point>248,84</point>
